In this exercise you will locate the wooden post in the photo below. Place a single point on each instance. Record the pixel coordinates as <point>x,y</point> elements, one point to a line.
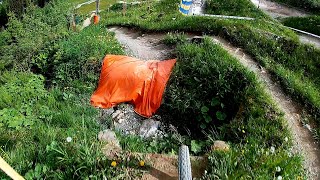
<point>97,7</point>
<point>124,7</point>
<point>9,170</point>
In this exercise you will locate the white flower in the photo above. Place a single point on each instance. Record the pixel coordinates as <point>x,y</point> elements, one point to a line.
<point>278,169</point>
<point>286,139</point>
<point>69,139</point>
<point>279,178</point>
<point>272,149</point>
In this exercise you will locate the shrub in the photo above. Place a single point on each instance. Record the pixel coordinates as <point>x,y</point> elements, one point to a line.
<point>23,100</point>
<point>79,56</point>
<point>31,40</point>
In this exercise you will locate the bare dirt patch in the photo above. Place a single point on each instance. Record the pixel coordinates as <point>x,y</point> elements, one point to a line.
<point>276,10</point>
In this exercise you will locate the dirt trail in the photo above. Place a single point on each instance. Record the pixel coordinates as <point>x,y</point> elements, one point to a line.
<point>87,2</point>
<point>142,46</point>
<point>276,10</point>
<point>302,137</point>
<point>309,40</point>
<point>147,47</point>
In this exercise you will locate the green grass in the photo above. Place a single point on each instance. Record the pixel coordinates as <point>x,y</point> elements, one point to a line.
<point>234,8</point>
<point>206,71</point>
<point>271,44</point>
<point>104,5</point>
<point>308,5</point>
<point>34,127</point>
<point>310,23</point>
<point>208,64</point>
<point>76,2</point>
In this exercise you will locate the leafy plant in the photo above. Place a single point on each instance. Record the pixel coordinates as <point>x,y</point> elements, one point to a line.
<point>22,99</point>
<point>175,38</point>
<point>204,86</point>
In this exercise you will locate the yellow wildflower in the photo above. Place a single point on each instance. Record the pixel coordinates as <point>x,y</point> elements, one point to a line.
<point>141,163</point>
<point>114,164</point>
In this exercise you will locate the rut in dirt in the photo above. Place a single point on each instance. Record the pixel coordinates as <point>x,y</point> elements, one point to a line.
<point>149,46</point>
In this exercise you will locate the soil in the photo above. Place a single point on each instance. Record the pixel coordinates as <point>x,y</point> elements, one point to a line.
<point>142,46</point>
<point>276,10</point>
<point>309,40</point>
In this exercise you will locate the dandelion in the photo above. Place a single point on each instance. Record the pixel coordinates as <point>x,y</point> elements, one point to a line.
<point>279,178</point>
<point>278,169</point>
<point>113,163</point>
<point>141,163</point>
<point>69,139</point>
<point>272,149</point>
<point>243,131</point>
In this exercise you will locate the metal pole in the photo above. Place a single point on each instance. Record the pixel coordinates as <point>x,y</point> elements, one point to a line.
<point>97,7</point>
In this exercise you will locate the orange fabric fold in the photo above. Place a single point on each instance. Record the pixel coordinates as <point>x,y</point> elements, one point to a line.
<point>127,79</point>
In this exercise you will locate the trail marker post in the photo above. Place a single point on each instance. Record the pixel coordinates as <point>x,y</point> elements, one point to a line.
<point>97,6</point>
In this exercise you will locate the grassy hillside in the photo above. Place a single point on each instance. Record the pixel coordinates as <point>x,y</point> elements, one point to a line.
<point>233,8</point>
<point>310,23</point>
<point>308,5</point>
<point>48,72</point>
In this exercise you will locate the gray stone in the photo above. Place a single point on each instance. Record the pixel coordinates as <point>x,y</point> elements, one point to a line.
<point>108,136</point>
<point>149,128</point>
<point>109,111</point>
<point>125,120</point>
<point>112,149</point>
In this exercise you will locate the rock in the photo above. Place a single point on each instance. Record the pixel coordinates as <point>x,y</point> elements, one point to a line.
<point>115,114</point>
<point>125,120</point>
<point>108,136</point>
<point>220,146</point>
<point>149,128</point>
<point>197,39</point>
<point>109,111</point>
<point>112,151</point>
<point>112,148</point>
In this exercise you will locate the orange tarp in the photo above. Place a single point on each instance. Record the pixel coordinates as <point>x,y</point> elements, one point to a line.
<point>127,79</point>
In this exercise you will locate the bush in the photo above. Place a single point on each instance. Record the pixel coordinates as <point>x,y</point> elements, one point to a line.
<point>80,56</point>
<point>3,15</point>
<point>23,100</point>
<point>31,40</point>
